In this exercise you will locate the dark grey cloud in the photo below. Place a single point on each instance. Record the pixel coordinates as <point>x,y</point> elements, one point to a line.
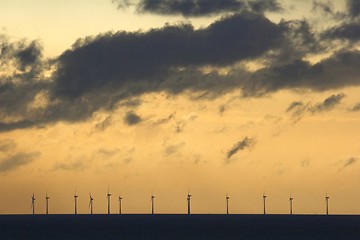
<point>138,58</point>
<point>7,145</point>
<point>131,118</point>
<point>15,161</point>
<point>29,55</point>
<point>241,145</point>
<point>113,70</point>
<point>328,104</point>
<point>353,7</point>
<point>196,8</point>
<point>222,109</point>
<point>338,71</point>
<point>294,105</point>
<point>265,5</point>
<point>345,31</point>
<point>299,109</point>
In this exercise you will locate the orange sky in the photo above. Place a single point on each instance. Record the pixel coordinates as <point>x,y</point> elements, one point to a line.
<point>165,143</point>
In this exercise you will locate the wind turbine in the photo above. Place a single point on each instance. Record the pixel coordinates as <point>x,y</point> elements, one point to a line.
<point>227,203</point>
<point>91,203</point>
<point>75,202</point>
<point>327,203</point>
<point>188,202</point>
<point>108,198</point>
<point>291,204</point>
<point>47,203</point>
<point>33,204</point>
<point>152,203</point>
<point>120,210</point>
<point>264,200</point>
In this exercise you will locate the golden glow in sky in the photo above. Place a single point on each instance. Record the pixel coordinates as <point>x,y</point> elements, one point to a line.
<point>132,99</point>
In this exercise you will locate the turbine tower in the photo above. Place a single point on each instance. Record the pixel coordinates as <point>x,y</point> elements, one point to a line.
<point>120,209</point>
<point>188,203</point>
<point>91,203</point>
<point>291,204</point>
<point>152,203</point>
<point>264,200</point>
<point>327,203</point>
<point>47,203</point>
<point>75,202</point>
<point>33,204</point>
<point>227,203</point>
<point>108,198</point>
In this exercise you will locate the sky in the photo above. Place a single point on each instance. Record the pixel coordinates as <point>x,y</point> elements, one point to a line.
<point>141,97</point>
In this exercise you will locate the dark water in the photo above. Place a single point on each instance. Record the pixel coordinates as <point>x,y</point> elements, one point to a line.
<point>207,227</point>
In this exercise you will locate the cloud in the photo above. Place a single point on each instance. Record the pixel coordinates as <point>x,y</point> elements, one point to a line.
<point>294,105</point>
<point>243,144</point>
<point>172,149</point>
<point>349,162</point>
<point>198,8</point>
<point>7,145</point>
<point>132,60</point>
<point>345,31</point>
<point>353,7</point>
<point>112,70</point>
<point>164,120</point>
<point>299,109</point>
<point>132,118</point>
<point>15,161</point>
<point>355,108</point>
<point>338,71</point>
<point>328,104</point>
<point>78,165</point>
<point>222,109</point>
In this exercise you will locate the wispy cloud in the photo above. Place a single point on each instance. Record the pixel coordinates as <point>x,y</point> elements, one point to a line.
<point>349,162</point>
<point>6,145</point>
<point>241,145</point>
<point>15,161</point>
<point>131,118</point>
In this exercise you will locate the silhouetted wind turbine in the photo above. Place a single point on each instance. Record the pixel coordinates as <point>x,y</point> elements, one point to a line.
<point>91,203</point>
<point>108,198</point>
<point>75,202</point>
<point>264,199</point>
<point>152,203</point>
<point>188,202</point>
<point>291,204</point>
<point>120,210</point>
<point>227,203</point>
<point>33,204</point>
<point>327,203</point>
<point>47,203</point>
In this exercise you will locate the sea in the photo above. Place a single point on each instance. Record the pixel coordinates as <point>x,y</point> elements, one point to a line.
<point>180,226</point>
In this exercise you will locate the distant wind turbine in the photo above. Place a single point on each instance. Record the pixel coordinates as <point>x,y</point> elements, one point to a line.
<point>152,203</point>
<point>120,207</point>
<point>188,202</point>
<point>327,203</point>
<point>91,203</point>
<point>108,198</point>
<point>75,202</point>
<point>291,204</point>
<point>264,200</point>
<point>33,204</point>
<point>227,203</point>
<point>47,203</point>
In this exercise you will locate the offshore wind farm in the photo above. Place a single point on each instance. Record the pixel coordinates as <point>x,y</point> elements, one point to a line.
<point>179,119</point>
